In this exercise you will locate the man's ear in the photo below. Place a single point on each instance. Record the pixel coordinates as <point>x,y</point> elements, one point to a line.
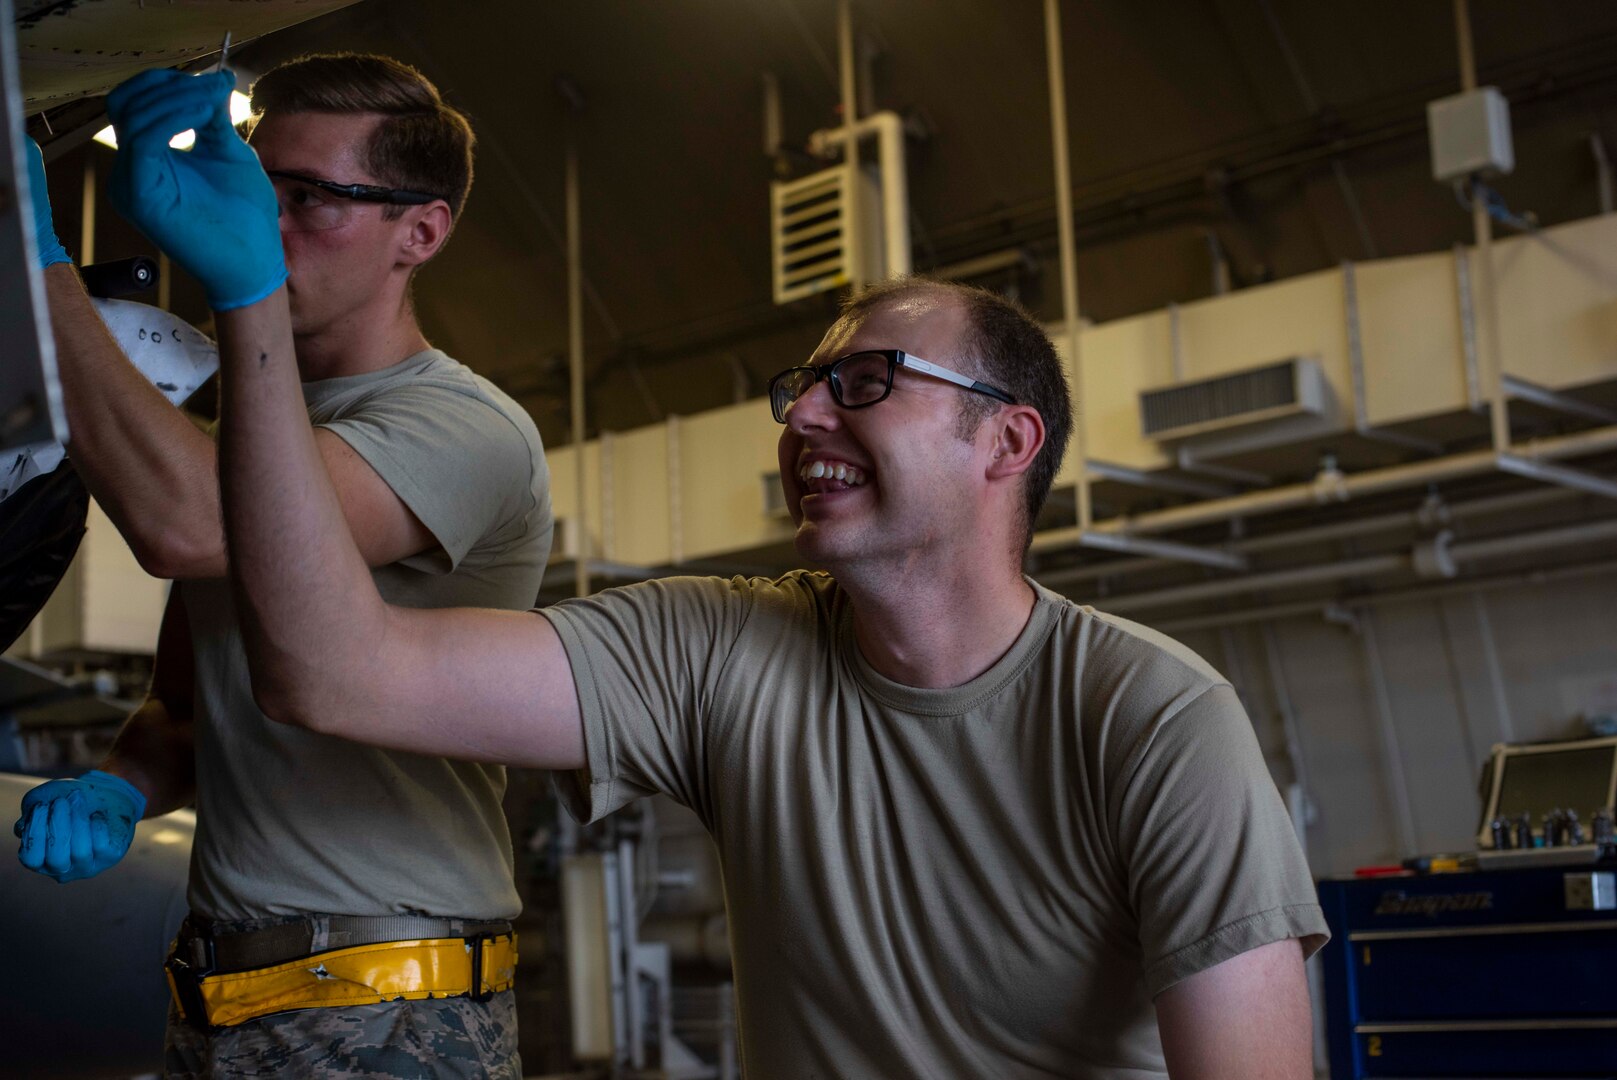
<point>429,228</point>
<point>1018,435</point>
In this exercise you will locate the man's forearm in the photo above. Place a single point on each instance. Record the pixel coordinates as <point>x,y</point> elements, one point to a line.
<point>147,465</point>
<point>309,609</point>
<point>155,752</point>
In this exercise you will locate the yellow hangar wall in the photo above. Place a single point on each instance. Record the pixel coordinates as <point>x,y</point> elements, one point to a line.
<point>696,487</point>
<point>703,486</point>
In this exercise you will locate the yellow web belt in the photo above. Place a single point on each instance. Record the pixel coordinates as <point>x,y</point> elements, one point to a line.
<point>361,975</point>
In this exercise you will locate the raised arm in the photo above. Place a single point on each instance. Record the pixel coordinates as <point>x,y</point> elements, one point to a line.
<point>150,468</point>
<point>325,651</point>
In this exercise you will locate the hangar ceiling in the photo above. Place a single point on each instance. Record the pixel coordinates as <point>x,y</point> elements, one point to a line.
<point>1288,135</point>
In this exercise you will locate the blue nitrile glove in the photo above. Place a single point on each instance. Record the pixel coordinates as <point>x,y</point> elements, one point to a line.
<point>46,246</point>
<point>74,829</point>
<point>210,208</point>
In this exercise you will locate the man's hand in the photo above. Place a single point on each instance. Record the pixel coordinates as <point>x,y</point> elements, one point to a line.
<point>46,246</point>
<point>211,208</point>
<point>73,829</point>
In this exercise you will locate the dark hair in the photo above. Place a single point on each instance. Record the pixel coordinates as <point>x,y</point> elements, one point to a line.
<point>1005,347</point>
<point>422,143</point>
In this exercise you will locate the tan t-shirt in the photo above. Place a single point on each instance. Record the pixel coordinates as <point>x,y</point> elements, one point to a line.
<point>291,821</point>
<point>992,880</point>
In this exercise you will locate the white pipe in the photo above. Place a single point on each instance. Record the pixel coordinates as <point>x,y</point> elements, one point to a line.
<point>1069,257</point>
<point>1534,578</point>
<point>575,366</point>
<point>1340,489</point>
<point>888,128</point>
<point>853,225</point>
<point>1367,566</point>
<point>1423,516</point>
<point>1493,363</point>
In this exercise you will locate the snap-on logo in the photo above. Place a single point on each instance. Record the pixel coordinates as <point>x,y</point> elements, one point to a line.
<point>1399,903</point>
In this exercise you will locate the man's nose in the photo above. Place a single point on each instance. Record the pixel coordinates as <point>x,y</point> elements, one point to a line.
<point>815,409</point>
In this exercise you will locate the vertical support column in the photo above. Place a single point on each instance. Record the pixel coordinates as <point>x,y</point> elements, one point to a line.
<point>1468,327</point>
<point>853,225</point>
<point>609,506</point>
<point>1176,344</point>
<point>575,359</point>
<point>1069,257</point>
<point>895,197</point>
<point>1355,344</point>
<point>86,210</point>
<point>633,1004</point>
<point>676,514</point>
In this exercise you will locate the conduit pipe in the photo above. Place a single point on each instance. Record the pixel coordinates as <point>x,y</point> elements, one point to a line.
<point>575,363</point>
<point>1431,515</point>
<point>1330,487</point>
<point>1493,361</point>
<point>850,114</point>
<point>1368,566</point>
<point>1069,257</point>
<point>1395,596</point>
<point>888,128</point>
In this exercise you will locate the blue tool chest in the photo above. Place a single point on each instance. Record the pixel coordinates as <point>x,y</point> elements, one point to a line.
<point>1502,973</point>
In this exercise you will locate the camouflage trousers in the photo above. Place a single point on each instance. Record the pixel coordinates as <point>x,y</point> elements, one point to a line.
<point>397,1040</point>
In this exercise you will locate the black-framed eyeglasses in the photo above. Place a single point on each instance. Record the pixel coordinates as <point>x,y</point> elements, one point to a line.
<point>865,378</point>
<point>361,192</point>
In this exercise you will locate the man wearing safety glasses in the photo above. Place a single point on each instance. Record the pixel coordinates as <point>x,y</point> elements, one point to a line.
<point>967,827</point>
<point>388,865</point>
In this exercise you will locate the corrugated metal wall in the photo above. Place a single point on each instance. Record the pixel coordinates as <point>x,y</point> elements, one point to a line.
<point>1392,770</point>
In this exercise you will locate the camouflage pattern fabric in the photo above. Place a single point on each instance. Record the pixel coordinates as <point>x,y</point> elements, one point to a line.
<point>399,1040</point>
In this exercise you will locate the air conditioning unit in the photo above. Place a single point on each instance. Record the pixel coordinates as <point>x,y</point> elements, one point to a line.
<point>1288,388</point>
<point>564,539</point>
<point>813,247</point>
<point>774,498</point>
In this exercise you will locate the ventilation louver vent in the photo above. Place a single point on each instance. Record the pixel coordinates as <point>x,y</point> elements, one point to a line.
<point>811,243</point>
<point>1288,388</point>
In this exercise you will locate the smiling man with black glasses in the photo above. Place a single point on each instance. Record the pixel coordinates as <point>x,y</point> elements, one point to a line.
<point>306,844</point>
<point>967,827</point>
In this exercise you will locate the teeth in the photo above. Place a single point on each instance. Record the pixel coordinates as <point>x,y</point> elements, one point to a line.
<point>848,474</point>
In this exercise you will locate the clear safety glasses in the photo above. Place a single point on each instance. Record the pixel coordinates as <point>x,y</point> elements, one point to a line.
<point>864,378</point>
<point>310,204</point>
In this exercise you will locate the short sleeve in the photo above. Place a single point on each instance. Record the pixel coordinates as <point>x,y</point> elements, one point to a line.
<point>1213,865</point>
<point>647,660</point>
<point>459,463</point>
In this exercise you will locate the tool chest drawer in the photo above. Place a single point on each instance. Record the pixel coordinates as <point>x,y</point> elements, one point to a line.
<point>1500,973</point>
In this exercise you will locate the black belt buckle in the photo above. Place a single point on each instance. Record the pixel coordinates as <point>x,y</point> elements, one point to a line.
<point>188,978</point>
<point>476,941</point>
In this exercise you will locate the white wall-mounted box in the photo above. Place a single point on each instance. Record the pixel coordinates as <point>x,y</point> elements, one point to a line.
<point>1470,133</point>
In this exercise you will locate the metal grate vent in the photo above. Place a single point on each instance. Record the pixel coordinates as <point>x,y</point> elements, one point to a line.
<point>811,243</point>
<point>1244,397</point>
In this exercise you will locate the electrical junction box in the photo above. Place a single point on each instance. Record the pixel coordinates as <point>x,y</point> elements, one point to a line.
<point>1470,133</point>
